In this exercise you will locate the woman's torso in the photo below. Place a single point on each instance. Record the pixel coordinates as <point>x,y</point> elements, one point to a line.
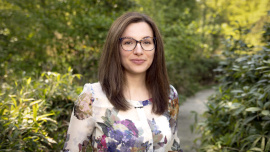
<point>108,129</point>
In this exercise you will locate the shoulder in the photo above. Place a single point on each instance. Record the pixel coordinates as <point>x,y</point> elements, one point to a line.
<point>94,89</point>
<point>84,102</point>
<point>173,93</point>
<point>173,103</point>
<point>91,87</point>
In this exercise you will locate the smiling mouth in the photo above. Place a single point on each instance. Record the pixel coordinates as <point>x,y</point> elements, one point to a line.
<point>138,61</point>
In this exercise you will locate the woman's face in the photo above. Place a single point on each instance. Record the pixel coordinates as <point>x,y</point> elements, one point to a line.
<point>137,61</point>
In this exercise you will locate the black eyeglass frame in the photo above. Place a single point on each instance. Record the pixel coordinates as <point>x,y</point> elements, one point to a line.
<point>154,39</point>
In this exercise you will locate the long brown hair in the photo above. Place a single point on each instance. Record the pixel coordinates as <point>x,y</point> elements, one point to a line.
<point>111,72</point>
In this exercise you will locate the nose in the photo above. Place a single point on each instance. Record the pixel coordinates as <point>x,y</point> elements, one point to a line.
<point>138,49</point>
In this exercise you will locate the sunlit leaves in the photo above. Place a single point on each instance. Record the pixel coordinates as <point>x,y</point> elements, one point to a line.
<point>222,18</point>
<point>30,114</point>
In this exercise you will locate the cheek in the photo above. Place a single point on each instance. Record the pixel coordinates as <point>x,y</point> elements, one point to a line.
<point>124,57</point>
<point>152,56</point>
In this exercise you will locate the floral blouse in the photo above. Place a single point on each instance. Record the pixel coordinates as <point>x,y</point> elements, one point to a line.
<point>96,123</point>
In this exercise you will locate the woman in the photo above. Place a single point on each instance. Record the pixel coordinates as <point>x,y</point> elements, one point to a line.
<point>132,107</point>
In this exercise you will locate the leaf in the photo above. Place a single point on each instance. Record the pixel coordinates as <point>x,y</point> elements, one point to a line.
<point>256,149</point>
<point>28,81</point>
<point>14,102</point>
<point>12,96</point>
<point>256,141</point>
<point>51,140</point>
<point>45,115</point>
<point>21,91</point>
<point>70,69</point>
<point>263,67</point>
<point>220,89</point>
<point>47,119</point>
<point>267,147</point>
<point>252,137</point>
<point>238,110</point>
<point>267,105</point>
<point>247,120</point>
<point>261,98</point>
<point>263,143</point>
<point>78,76</point>
<point>241,59</point>
<point>266,124</point>
<point>244,145</point>
<point>237,91</point>
<point>35,109</point>
<point>35,102</point>
<point>253,109</point>
<point>262,81</point>
<point>30,99</point>
<point>265,112</point>
<point>58,77</point>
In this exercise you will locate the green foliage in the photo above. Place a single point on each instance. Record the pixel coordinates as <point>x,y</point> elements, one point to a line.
<point>31,111</point>
<point>38,36</point>
<point>222,18</point>
<point>43,35</point>
<point>54,35</point>
<point>238,116</point>
<point>178,21</point>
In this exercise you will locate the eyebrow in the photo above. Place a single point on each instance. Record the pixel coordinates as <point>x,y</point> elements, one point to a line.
<point>135,39</point>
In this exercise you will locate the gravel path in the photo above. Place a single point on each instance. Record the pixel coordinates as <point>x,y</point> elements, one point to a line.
<point>186,118</point>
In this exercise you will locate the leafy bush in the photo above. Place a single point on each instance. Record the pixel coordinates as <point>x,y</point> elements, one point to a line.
<point>43,35</point>
<point>47,35</point>
<point>238,116</point>
<point>31,111</point>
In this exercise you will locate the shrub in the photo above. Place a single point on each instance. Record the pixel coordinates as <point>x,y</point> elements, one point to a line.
<point>238,116</point>
<point>32,112</point>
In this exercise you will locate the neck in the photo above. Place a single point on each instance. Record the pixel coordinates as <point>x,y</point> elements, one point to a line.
<point>134,81</point>
<point>135,87</point>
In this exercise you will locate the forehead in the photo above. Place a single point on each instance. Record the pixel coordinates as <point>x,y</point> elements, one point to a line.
<point>138,30</point>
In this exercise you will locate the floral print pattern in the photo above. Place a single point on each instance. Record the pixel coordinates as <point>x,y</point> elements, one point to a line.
<point>122,134</point>
<point>82,108</point>
<point>176,146</point>
<point>157,136</point>
<point>96,124</point>
<point>173,110</point>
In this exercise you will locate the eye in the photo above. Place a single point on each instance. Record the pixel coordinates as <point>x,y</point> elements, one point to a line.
<point>127,42</point>
<point>147,42</point>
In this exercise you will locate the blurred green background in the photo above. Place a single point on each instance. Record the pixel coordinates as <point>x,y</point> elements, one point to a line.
<point>49,49</point>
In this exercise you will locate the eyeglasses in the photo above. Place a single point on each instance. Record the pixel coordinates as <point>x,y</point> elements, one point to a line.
<point>129,44</point>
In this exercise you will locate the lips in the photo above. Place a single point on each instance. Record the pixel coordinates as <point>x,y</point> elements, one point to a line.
<point>138,61</point>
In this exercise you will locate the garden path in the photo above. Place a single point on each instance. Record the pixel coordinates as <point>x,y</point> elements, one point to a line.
<point>186,118</point>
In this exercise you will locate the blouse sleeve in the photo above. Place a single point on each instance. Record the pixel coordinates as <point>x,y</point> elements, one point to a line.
<point>81,123</point>
<point>174,111</point>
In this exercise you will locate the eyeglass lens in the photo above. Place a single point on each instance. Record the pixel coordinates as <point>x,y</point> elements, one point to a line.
<point>129,44</point>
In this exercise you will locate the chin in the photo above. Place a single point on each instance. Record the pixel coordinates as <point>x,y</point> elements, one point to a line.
<point>136,72</point>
